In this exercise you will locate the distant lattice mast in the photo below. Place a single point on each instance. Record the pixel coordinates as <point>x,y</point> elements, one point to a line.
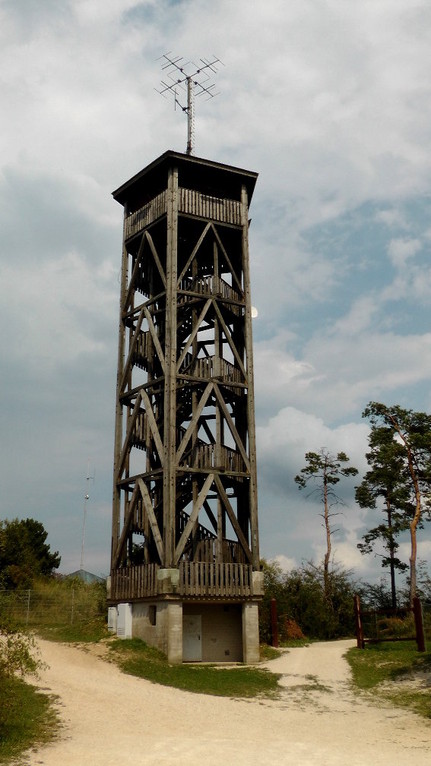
<point>192,80</point>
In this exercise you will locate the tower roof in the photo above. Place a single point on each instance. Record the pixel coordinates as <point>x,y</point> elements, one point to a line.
<point>206,176</point>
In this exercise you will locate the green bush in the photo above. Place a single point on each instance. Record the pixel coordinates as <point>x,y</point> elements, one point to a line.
<point>301,603</point>
<point>17,653</point>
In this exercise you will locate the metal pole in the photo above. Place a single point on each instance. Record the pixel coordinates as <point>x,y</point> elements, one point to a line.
<point>190,116</point>
<point>83,532</point>
<point>274,626</point>
<point>358,622</point>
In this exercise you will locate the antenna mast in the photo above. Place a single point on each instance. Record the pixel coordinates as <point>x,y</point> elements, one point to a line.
<point>86,498</point>
<point>192,80</point>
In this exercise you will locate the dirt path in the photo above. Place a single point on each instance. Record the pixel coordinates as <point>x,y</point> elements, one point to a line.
<point>110,718</point>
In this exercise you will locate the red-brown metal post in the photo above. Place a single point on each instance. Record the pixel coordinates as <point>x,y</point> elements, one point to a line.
<point>419,624</point>
<point>358,622</point>
<point>274,626</point>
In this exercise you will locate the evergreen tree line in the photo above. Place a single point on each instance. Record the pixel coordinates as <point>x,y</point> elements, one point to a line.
<point>24,553</point>
<point>397,485</point>
<point>303,611</point>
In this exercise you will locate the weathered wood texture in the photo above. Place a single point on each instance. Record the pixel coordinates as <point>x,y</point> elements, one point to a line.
<point>185,463</point>
<point>190,203</point>
<point>195,579</point>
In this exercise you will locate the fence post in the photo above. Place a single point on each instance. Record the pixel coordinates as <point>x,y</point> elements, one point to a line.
<point>419,624</point>
<point>274,626</point>
<point>72,607</point>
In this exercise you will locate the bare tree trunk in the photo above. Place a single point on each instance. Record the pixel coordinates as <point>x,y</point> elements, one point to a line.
<point>414,549</point>
<point>413,527</point>
<point>417,515</point>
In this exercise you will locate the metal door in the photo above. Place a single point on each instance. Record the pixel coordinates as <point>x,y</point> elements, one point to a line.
<point>192,638</point>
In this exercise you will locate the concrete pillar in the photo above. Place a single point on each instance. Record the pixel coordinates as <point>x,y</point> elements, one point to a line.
<point>174,626</point>
<point>250,633</point>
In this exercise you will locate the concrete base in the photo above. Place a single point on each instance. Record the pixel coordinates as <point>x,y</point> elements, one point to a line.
<point>160,624</point>
<point>227,632</point>
<point>220,632</point>
<point>250,633</point>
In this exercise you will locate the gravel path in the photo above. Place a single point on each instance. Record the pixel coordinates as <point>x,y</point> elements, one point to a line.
<point>114,719</point>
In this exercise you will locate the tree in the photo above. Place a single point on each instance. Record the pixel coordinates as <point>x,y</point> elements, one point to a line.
<point>412,431</point>
<point>386,480</point>
<point>24,553</point>
<point>301,602</point>
<point>327,470</point>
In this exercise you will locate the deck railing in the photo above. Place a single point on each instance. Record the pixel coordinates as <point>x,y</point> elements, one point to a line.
<point>196,578</point>
<point>199,578</point>
<point>134,582</point>
<point>207,206</point>
<point>190,202</point>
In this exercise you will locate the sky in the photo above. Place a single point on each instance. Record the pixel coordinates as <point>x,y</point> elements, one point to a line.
<point>329,101</point>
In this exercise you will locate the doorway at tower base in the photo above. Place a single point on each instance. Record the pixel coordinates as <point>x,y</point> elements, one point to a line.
<point>195,632</point>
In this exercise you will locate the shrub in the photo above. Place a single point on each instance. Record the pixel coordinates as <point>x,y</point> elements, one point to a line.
<point>17,652</point>
<point>300,599</point>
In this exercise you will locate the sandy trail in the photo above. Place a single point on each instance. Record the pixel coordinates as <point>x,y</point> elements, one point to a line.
<point>111,718</point>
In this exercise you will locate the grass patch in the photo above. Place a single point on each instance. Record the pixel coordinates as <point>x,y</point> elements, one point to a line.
<point>26,718</point>
<point>394,672</point>
<point>69,611</point>
<point>267,652</point>
<point>89,631</point>
<point>137,658</point>
<point>292,643</point>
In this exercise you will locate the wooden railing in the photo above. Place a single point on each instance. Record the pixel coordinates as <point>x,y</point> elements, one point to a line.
<point>206,206</point>
<point>209,367</point>
<point>199,578</point>
<point>196,578</point>
<point>134,582</point>
<point>145,215</point>
<point>139,433</point>
<point>142,349</point>
<point>211,285</point>
<point>190,203</point>
<point>215,456</point>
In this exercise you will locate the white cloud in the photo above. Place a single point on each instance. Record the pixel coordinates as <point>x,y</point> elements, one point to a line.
<point>330,102</point>
<point>400,250</point>
<point>58,297</point>
<point>283,442</point>
<point>392,217</point>
<point>285,563</point>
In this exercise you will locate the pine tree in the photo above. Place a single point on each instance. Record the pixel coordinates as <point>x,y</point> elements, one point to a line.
<point>326,469</point>
<point>412,432</point>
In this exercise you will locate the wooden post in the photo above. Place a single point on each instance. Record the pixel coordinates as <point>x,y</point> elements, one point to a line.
<point>116,501</point>
<point>250,381</point>
<point>274,626</point>
<point>419,624</point>
<point>169,468</point>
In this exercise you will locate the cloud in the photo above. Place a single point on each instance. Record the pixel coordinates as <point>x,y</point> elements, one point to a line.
<point>285,563</point>
<point>400,250</point>
<point>330,103</point>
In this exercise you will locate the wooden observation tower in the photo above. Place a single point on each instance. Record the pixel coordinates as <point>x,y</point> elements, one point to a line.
<point>185,572</point>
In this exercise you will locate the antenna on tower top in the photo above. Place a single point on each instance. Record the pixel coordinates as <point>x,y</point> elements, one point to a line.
<point>191,80</point>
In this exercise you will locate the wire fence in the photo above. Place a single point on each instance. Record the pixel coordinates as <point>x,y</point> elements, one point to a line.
<point>35,608</point>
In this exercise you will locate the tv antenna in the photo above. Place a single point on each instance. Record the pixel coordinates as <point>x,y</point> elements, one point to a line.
<point>187,80</point>
<point>86,499</point>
